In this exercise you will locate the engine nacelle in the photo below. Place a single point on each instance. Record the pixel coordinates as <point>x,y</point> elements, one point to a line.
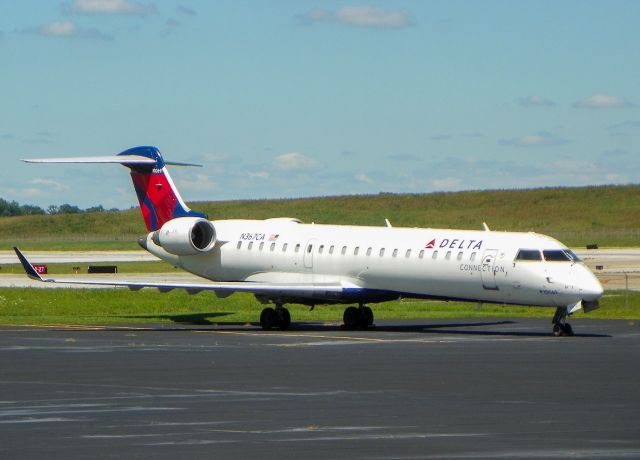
<point>186,236</point>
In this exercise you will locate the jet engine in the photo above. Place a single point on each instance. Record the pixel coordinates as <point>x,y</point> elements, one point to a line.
<point>186,236</point>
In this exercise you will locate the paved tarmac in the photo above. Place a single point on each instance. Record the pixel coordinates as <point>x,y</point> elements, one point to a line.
<point>61,257</point>
<point>406,390</point>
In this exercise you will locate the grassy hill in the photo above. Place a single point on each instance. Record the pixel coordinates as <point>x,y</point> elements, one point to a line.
<point>607,215</point>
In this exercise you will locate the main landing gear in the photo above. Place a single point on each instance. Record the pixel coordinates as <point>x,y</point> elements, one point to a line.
<point>560,326</point>
<point>358,318</point>
<point>278,317</point>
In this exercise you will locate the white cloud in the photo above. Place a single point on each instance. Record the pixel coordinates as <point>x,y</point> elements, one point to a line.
<point>616,178</point>
<point>199,182</point>
<point>360,16</point>
<point>259,175</point>
<point>67,29</point>
<point>541,139</point>
<point>22,193</point>
<point>362,177</point>
<point>369,16</point>
<point>294,161</point>
<point>536,101</point>
<point>446,183</point>
<point>59,29</point>
<point>109,7</point>
<point>56,186</point>
<point>603,101</point>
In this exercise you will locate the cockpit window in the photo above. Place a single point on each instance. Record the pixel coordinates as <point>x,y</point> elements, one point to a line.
<point>573,255</point>
<point>556,255</point>
<point>560,255</point>
<point>528,254</point>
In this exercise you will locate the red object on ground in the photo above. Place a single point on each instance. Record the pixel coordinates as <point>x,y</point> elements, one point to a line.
<point>40,268</point>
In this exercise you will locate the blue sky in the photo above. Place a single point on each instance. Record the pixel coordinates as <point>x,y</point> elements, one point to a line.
<point>306,98</point>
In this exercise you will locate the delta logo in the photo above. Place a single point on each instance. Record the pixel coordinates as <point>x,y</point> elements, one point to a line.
<point>454,243</point>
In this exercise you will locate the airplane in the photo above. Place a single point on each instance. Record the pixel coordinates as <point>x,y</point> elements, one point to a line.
<point>284,261</point>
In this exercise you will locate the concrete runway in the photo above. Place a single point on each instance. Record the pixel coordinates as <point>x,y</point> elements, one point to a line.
<point>430,389</point>
<point>62,257</point>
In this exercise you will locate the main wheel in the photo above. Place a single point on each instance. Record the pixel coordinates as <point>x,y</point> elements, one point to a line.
<point>268,318</point>
<point>367,316</point>
<point>283,318</point>
<point>351,318</point>
<point>567,330</point>
<point>557,330</point>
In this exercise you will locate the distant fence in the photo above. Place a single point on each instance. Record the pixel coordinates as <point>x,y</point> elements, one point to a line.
<point>619,280</point>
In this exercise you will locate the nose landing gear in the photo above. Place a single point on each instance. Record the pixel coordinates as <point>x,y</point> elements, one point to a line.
<point>560,326</point>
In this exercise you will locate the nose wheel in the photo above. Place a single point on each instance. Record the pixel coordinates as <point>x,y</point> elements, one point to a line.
<point>560,326</point>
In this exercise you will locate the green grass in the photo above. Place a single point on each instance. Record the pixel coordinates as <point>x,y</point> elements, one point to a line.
<point>117,306</point>
<point>607,215</point>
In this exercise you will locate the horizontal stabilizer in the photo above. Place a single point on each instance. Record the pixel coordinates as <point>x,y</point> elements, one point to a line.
<point>117,159</point>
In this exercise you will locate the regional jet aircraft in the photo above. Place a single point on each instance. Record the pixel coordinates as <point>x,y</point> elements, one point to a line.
<point>284,261</point>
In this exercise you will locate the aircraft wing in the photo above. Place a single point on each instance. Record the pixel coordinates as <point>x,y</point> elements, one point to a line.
<point>291,289</point>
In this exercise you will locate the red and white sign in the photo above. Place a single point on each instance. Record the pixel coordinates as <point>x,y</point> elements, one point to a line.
<point>40,268</point>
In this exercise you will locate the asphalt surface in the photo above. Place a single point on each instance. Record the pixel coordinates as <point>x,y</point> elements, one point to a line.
<point>60,257</point>
<point>407,390</point>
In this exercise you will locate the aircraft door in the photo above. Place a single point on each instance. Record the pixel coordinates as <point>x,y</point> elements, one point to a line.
<point>488,274</point>
<point>309,249</point>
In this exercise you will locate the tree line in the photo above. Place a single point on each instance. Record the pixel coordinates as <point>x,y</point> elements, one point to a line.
<point>13,208</point>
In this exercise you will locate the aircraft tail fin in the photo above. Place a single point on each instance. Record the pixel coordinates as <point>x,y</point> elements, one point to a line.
<point>158,196</point>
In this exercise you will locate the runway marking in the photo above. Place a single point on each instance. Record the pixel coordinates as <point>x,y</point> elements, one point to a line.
<point>331,340</point>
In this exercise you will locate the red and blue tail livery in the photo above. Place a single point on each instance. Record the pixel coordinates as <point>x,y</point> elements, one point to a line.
<point>159,198</point>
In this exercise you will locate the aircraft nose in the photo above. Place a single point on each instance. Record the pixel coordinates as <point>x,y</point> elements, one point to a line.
<point>590,287</point>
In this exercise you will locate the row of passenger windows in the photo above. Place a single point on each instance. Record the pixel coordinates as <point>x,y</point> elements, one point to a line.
<point>322,249</point>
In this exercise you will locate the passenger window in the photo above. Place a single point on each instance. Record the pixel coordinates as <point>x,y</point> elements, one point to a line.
<point>421,254</point>
<point>297,247</point>
<point>239,244</point>
<point>435,255</point>
<point>473,256</point>
<point>460,255</point>
<point>408,253</point>
<point>331,249</point>
<point>284,247</point>
<point>448,255</point>
<point>273,247</point>
<point>356,250</point>
<point>369,251</point>
<point>529,254</point>
<point>344,250</point>
<point>250,245</point>
<point>395,253</point>
<point>261,246</point>
<point>381,252</point>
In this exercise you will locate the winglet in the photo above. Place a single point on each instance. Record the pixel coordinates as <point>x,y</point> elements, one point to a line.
<point>31,272</point>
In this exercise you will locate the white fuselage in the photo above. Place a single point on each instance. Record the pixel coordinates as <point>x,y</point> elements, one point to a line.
<point>379,263</point>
